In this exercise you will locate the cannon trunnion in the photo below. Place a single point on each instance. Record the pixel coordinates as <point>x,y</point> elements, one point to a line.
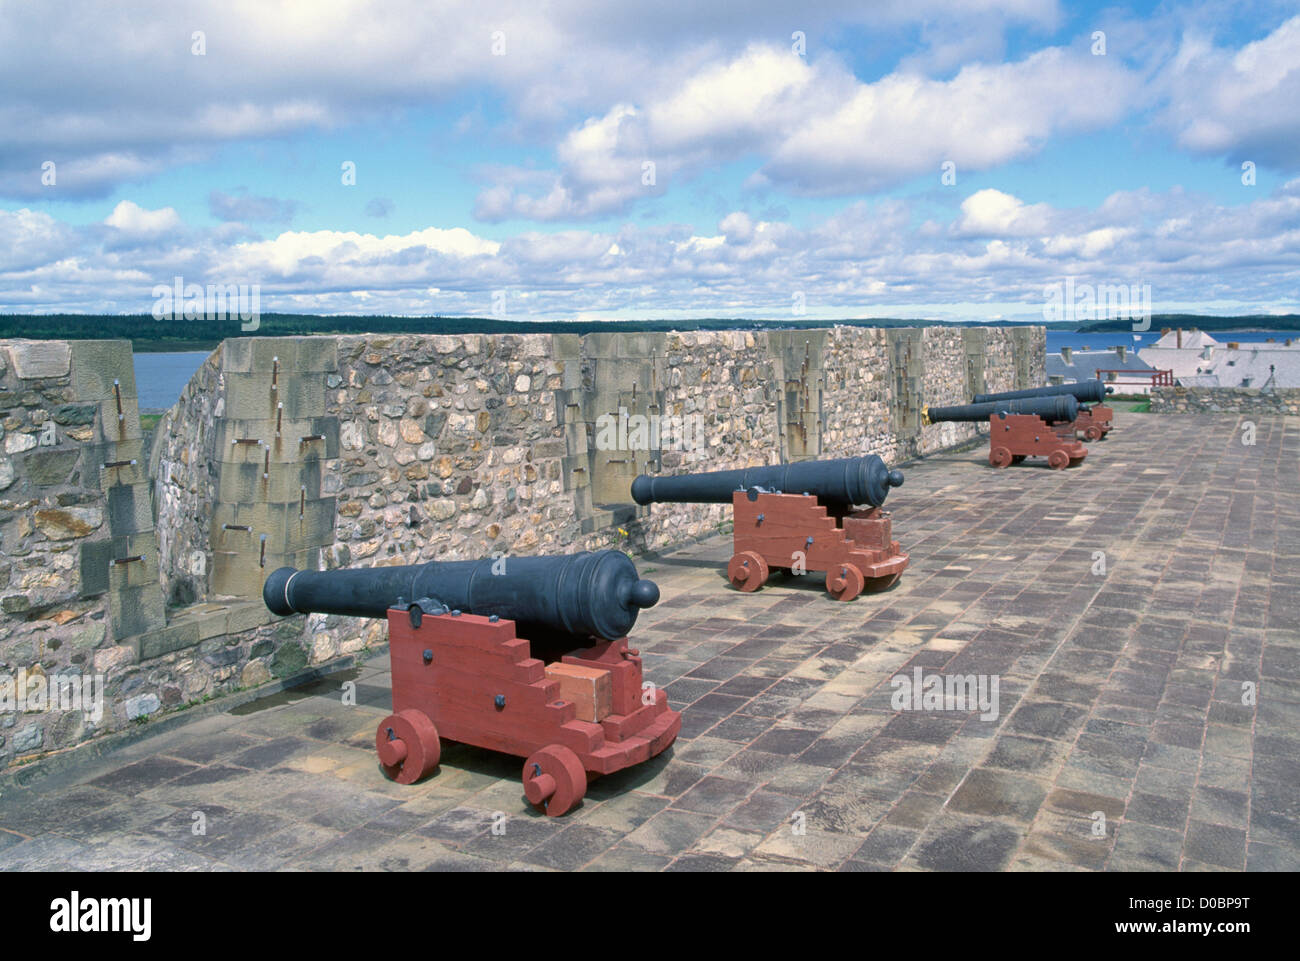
<point>461,672</point>
<point>800,518</point>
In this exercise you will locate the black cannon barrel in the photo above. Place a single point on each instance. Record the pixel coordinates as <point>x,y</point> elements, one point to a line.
<point>1085,392</point>
<point>1057,409</point>
<point>845,481</point>
<point>580,594</point>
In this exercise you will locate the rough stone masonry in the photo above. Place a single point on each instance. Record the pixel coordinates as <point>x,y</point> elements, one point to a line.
<point>146,566</point>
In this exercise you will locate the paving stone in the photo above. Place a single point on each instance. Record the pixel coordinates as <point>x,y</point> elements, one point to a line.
<point>952,843</point>
<point>713,795</point>
<point>822,849</point>
<point>1156,810</point>
<point>886,845</point>
<point>762,811</point>
<point>671,832</point>
<point>1121,695</point>
<point>143,775</point>
<point>458,824</point>
<point>293,841</point>
<point>998,794</point>
<point>1216,844</point>
<point>628,857</point>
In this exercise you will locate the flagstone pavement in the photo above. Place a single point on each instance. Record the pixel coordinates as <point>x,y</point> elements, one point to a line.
<point>1148,715</point>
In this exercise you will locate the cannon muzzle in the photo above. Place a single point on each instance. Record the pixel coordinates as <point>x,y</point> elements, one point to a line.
<point>578,594</point>
<point>1085,392</point>
<point>1054,410</point>
<point>843,482</point>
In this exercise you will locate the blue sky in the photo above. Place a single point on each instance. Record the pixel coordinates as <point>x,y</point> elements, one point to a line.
<point>500,147</point>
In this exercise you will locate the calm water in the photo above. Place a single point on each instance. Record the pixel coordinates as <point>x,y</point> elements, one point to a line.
<point>160,378</point>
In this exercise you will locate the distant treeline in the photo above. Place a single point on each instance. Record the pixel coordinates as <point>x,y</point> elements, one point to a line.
<point>1200,322</point>
<point>148,334</point>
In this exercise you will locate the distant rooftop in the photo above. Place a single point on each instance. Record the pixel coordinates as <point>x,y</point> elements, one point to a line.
<point>1186,339</point>
<point>1202,361</point>
<point>1080,365</point>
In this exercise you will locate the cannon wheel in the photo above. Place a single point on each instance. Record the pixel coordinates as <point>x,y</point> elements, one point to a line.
<point>747,571</point>
<point>844,582</point>
<point>554,780</point>
<point>408,746</point>
<point>1058,459</point>
<point>999,457</point>
<point>1092,433</point>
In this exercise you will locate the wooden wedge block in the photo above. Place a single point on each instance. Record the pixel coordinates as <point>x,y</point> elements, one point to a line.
<point>591,689</point>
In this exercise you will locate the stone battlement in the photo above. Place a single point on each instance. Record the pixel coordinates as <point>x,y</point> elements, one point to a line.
<point>147,566</point>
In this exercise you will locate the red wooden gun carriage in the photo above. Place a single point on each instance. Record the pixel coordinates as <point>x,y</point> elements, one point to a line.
<point>1020,428</point>
<point>575,704</point>
<point>800,517</point>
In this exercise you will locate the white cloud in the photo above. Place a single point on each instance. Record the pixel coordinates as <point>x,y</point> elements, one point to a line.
<point>114,92</point>
<point>295,251</point>
<point>993,213</point>
<point>1239,104</point>
<point>134,220</point>
<point>868,258</point>
<point>820,130</point>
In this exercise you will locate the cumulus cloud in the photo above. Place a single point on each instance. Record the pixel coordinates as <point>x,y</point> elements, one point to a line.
<point>869,258</point>
<point>821,130</point>
<point>132,219</point>
<point>1239,104</point>
<point>992,213</point>
<point>115,92</point>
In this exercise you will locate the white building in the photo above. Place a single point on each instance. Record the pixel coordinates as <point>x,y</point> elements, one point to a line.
<point>1198,360</point>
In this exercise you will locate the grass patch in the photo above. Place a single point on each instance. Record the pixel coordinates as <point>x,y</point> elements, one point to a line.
<point>1140,405</point>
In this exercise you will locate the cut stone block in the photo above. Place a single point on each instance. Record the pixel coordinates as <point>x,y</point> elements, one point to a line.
<point>254,396</point>
<point>285,531</point>
<point>137,610</point>
<point>97,363</point>
<point>237,574</point>
<point>114,431</point>
<point>130,510</point>
<point>176,637</point>
<point>141,573</point>
<point>37,359</point>
<point>311,438</point>
<point>51,467</point>
<point>95,556</point>
<point>244,483</point>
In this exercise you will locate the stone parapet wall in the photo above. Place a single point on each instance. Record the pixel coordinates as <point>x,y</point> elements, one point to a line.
<point>325,452</point>
<point>79,575</point>
<point>1217,400</point>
